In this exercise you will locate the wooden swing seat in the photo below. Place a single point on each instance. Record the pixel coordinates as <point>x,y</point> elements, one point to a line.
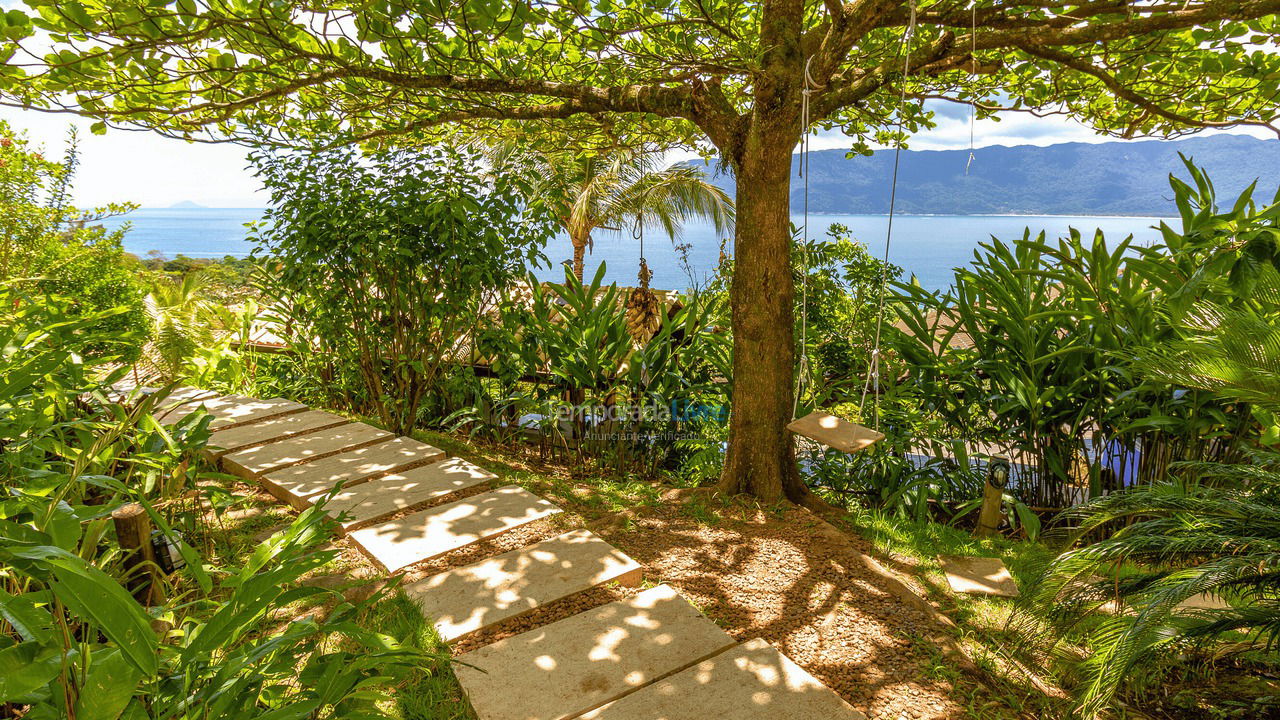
<point>835,432</point>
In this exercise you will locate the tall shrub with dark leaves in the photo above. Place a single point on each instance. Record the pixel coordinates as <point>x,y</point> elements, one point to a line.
<point>53,247</point>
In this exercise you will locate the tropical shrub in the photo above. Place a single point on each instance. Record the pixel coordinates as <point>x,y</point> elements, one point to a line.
<point>1029,354</point>
<point>843,291</point>
<point>381,266</point>
<point>1175,542</point>
<point>57,249</point>
<point>562,352</point>
<point>182,321</point>
<point>74,642</point>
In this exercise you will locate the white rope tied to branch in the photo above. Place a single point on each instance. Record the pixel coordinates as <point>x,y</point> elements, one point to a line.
<point>873,374</point>
<point>803,366</point>
<point>973,69</point>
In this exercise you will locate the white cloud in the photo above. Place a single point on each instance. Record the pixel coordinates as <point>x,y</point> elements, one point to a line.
<point>1010,128</point>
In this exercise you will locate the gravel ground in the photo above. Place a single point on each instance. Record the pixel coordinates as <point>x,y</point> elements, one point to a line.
<point>771,574</point>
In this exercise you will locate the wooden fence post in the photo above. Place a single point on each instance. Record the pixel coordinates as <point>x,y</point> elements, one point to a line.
<point>133,531</point>
<point>992,499</point>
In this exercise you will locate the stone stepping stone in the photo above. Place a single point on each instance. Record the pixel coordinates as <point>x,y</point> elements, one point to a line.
<point>978,575</point>
<point>253,463</point>
<point>387,495</point>
<point>752,681</point>
<point>579,663</point>
<point>399,543</point>
<point>474,597</point>
<point>270,430</point>
<point>232,410</point>
<point>296,483</point>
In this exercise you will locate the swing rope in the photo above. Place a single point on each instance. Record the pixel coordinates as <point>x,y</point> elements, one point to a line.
<point>803,369</point>
<point>873,376</point>
<point>973,69</point>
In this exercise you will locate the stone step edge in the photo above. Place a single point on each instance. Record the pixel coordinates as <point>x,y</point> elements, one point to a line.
<point>749,645</point>
<point>657,678</point>
<point>244,473</point>
<point>242,423</point>
<point>214,455</point>
<point>629,578</point>
<point>479,489</point>
<point>407,568</point>
<point>414,465</point>
<point>487,485</point>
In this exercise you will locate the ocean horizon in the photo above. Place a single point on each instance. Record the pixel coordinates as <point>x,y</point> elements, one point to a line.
<point>926,245</point>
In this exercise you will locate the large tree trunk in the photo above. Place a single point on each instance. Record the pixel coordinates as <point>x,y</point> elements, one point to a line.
<point>760,458</point>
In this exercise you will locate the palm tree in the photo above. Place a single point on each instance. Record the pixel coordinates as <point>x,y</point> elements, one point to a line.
<point>612,189</point>
<point>1218,539</point>
<point>182,319</point>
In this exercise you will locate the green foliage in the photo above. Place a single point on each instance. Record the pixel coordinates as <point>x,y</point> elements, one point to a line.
<point>843,293</point>
<point>74,642</point>
<point>227,280</point>
<point>604,68</point>
<point>1178,540</point>
<point>556,340</point>
<point>1173,544</point>
<point>613,190</point>
<point>1030,354</point>
<point>54,247</point>
<point>182,321</point>
<point>381,265</point>
<point>1218,252</point>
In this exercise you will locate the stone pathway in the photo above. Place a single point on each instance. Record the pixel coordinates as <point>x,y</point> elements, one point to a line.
<point>652,656</point>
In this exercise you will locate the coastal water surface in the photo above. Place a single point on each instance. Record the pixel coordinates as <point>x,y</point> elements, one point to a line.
<point>927,245</point>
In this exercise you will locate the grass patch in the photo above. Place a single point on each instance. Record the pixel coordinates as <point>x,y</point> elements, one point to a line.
<point>912,547</point>
<point>587,493</point>
<point>431,692</point>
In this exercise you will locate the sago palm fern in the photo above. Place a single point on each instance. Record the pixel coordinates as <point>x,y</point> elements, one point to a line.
<point>182,319</point>
<point>1216,539</point>
<point>610,190</point>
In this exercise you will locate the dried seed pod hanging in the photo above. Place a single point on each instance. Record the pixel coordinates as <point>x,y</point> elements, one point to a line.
<point>643,320</point>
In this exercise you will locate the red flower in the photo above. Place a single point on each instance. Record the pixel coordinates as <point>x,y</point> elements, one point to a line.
<point>5,142</point>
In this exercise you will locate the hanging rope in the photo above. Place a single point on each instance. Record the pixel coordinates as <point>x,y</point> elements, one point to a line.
<point>643,319</point>
<point>973,68</point>
<point>873,376</point>
<point>803,369</point>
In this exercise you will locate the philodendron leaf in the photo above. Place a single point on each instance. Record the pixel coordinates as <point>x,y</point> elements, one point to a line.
<point>92,595</point>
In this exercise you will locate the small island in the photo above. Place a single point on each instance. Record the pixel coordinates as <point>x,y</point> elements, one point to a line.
<point>186,205</point>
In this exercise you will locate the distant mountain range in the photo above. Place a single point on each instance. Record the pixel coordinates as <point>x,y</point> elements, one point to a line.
<point>1111,178</point>
<point>186,205</point>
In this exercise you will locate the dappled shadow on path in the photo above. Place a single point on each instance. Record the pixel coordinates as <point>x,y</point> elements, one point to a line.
<point>772,574</point>
<point>426,534</point>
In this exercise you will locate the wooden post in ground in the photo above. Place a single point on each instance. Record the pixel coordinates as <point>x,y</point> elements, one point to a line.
<point>992,499</point>
<point>133,531</point>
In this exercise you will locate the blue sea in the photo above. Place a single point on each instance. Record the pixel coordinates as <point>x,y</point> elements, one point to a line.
<point>927,245</point>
